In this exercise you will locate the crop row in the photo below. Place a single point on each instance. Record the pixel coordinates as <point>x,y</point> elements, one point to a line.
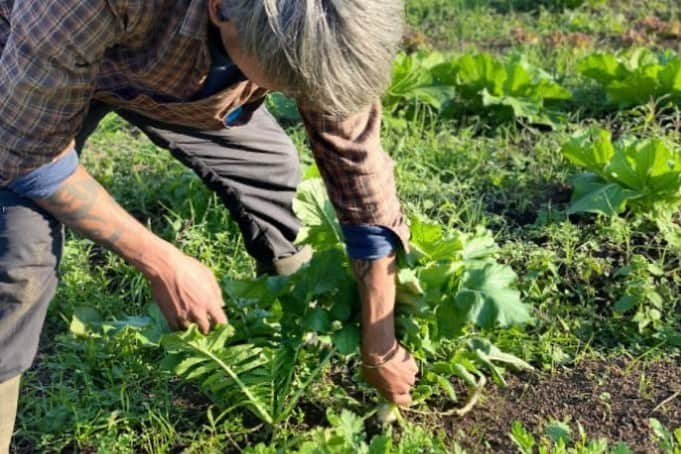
<point>512,89</point>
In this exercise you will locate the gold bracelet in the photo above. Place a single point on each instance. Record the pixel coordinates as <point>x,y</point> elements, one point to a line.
<point>388,356</point>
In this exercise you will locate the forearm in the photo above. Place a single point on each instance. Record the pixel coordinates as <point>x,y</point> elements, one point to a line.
<point>376,284</point>
<point>85,206</point>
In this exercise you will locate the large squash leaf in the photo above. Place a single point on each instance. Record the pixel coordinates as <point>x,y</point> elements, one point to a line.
<point>312,206</point>
<point>487,298</point>
<point>594,195</point>
<point>635,78</point>
<point>643,173</point>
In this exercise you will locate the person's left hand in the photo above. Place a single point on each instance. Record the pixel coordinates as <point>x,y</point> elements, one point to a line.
<point>393,376</point>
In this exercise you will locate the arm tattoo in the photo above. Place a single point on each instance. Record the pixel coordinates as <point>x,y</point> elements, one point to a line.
<point>74,204</point>
<point>362,269</point>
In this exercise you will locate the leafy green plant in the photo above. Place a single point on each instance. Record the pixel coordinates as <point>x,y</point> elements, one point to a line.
<point>640,295</point>
<point>643,174</point>
<point>285,325</point>
<point>637,78</point>
<point>262,379</point>
<point>506,90</point>
<point>669,443</point>
<point>346,434</point>
<point>558,439</point>
<point>475,83</point>
<point>453,279</point>
<point>413,85</point>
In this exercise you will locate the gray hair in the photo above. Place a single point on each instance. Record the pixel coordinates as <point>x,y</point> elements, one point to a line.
<point>333,55</point>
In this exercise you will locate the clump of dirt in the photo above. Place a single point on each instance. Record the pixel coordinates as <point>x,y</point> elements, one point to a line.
<point>609,398</point>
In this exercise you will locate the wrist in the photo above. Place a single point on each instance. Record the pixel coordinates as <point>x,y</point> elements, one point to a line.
<point>377,340</point>
<point>376,360</point>
<point>154,258</point>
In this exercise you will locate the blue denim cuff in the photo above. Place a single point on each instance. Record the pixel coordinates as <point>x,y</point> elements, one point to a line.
<point>233,116</point>
<point>369,242</point>
<point>44,181</point>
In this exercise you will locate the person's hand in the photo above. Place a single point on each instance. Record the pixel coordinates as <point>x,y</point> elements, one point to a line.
<point>393,375</point>
<point>187,292</point>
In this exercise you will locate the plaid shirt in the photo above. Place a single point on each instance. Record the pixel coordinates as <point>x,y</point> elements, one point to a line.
<point>58,55</point>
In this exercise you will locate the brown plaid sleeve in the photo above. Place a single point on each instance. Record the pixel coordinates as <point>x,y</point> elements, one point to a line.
<point>357,172</point>
<point>47,71</point>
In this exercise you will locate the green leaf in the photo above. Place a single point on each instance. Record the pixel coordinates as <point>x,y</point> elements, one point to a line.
<point>323,274</point>
<point>446,387</point>
<point>414,83</point>
<point>664,437</point>
<point>346,340</point>
<point>621,448</point>
<point>559,431</point>
<point>264,289</point>
<point>313,208</point>
<point>526,108</point>
<point>317,320</point>
<point>593,195</point>
<point>463,373</point>
<point>344,301</point>
<point>381,444</point>
<point>348,425</point>
<point>509,90</point>
<point>624,304</point>
<point>487,297</point>
<point>649,167</point>
<point>450,319</point>
<point>645,174</point>
<point>635,78</point>
<point>591,150</point>
<point>601,67</point>
<point>522,437</point>
<point>83,318</point>
<point>408,280</point>
<point>493,353</point>
<point>479,72</point>
<point>670,77</point>
<point>479,246</point>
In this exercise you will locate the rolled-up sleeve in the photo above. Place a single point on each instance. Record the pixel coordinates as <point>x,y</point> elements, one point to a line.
<point>357,172</point>
<point>48,68</point>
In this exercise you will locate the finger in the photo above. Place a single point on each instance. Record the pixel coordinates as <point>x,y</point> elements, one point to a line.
<point>403,400</point>
<point>411,380</point>
<point>216,309</point>
<point>202,321</point>
<point>397,388</point>
<point>218,316</point>
<point>182,324</point>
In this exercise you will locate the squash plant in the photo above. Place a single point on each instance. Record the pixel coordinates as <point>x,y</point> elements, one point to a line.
<point>636,78</point>
<point>642,174</point>
<point>503,90</point>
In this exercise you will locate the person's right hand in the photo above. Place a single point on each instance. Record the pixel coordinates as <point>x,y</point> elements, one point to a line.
<point>394,378</point>
<point>187,292</point>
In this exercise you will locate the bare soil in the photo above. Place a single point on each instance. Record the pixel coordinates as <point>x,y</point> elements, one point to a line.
<point>609,398</point>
